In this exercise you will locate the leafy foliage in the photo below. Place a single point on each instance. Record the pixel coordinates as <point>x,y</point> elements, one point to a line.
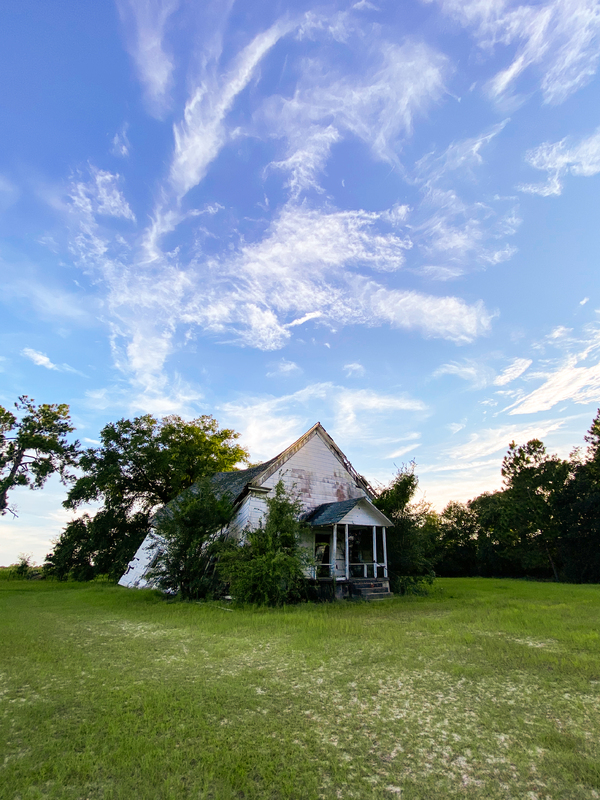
<point>34,446</point>
<point>141,465</point>
<point>189,539</point>
<point>145,462</point>
<point>457,541</point>
<point>544,523</point>
<point>268,566</point>
<point>101,544</point>
<point>411,540</point>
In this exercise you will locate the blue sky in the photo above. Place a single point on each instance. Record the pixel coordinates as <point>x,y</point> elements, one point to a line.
<point>379,215</point>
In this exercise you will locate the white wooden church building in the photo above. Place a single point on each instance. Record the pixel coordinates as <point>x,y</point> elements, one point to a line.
<point>347,534</point>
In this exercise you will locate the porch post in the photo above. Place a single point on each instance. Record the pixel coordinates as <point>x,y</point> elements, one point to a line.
<point>374,551</point>
<point>385,571</point>
<point>347,554</point>
<point>334,548</point>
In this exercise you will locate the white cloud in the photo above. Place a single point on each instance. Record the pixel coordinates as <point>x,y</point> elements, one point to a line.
<point>570,382</point>
<point>270,424</point>
<point>513,371</point>
<point>478,375</point>
<point>584,301</point>
<point>120,143</point>
<point>444,317</point>
<point>492,440</point>
<point>559,333</point>
<point>145,22</point>
<point>284,368</point>
<point>308,266</point>
<point>559,37</point>
<point>307,159</point>
<point>559,159</point>
<point>354,369</point>
<point>452,234</point>
<point>100,195</point>
<point>42,360</point>
<point>355,409</point>
<point>202,133</point>
<point>378,103</point>
<point>404,450</point>
<point>463,156</point>
<point>39,359</point>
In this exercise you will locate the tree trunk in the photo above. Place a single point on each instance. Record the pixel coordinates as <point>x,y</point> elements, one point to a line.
<point>552,564</point>
<point>7,483</point>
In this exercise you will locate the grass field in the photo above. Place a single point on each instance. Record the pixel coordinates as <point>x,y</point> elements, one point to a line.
<point>484,689</point>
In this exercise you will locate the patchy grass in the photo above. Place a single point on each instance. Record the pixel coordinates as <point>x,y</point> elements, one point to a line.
<point>484,689</point>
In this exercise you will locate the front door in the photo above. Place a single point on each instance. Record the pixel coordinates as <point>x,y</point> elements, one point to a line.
<point>323,554</point>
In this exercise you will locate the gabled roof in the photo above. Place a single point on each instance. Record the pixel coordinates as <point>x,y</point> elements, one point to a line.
<point>332,513</point>
<point>237,484</point>
<point>234,483</point>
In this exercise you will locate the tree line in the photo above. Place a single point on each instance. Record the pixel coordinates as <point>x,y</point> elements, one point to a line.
<point>542,524</point>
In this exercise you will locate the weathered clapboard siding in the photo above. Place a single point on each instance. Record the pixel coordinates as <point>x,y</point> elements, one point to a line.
<point>358,516</point>
<point>315,475</point>
<point>136,573</point>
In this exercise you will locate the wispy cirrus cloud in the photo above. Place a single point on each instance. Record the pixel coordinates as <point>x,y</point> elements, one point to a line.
<point>463,156</point>
<point>477,374</point>
<point>145,24</point>
<point>310,264</point>
<point>578,384</point>
<point>492,440</point>
<point>392,85</point>
<point>573,377</point>
<point>559,38</point>
<point>284,368</point>
<point>451,234</point>
<point>268,424</point>
<point>311,261</point>
<point>100,195</point>
<point>120,143</point>
<point>39,359</point>
<point>354,369</point>
<point>201,134</point>
<point>42,360</point>
<point>563,158</point>
<point>513,371</point>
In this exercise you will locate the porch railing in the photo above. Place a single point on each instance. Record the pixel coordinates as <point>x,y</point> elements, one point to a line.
<point>362,569</point>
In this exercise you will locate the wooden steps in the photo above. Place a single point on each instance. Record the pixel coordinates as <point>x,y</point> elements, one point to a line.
<point>371,588</point>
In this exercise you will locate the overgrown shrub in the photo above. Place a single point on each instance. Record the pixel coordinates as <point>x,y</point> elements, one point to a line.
<point>268,566</point>
<point>189,539</point>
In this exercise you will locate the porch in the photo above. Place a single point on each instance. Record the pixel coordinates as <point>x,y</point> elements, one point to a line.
<point>350,546</point>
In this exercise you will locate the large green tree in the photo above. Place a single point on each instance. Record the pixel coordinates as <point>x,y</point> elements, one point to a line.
<point>34,445</point>
<point>411,540</point>
<point>579,513</point>
<point>534,483</point>
<point>140,465</point>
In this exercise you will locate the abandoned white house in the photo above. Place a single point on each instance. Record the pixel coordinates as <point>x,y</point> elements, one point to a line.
<point>347,534</point>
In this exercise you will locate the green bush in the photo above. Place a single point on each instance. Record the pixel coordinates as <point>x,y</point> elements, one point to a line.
<point>268,566</point>
<point>190,538</point>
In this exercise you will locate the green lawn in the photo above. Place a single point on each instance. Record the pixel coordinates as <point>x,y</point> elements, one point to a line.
<point>484,689</point>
